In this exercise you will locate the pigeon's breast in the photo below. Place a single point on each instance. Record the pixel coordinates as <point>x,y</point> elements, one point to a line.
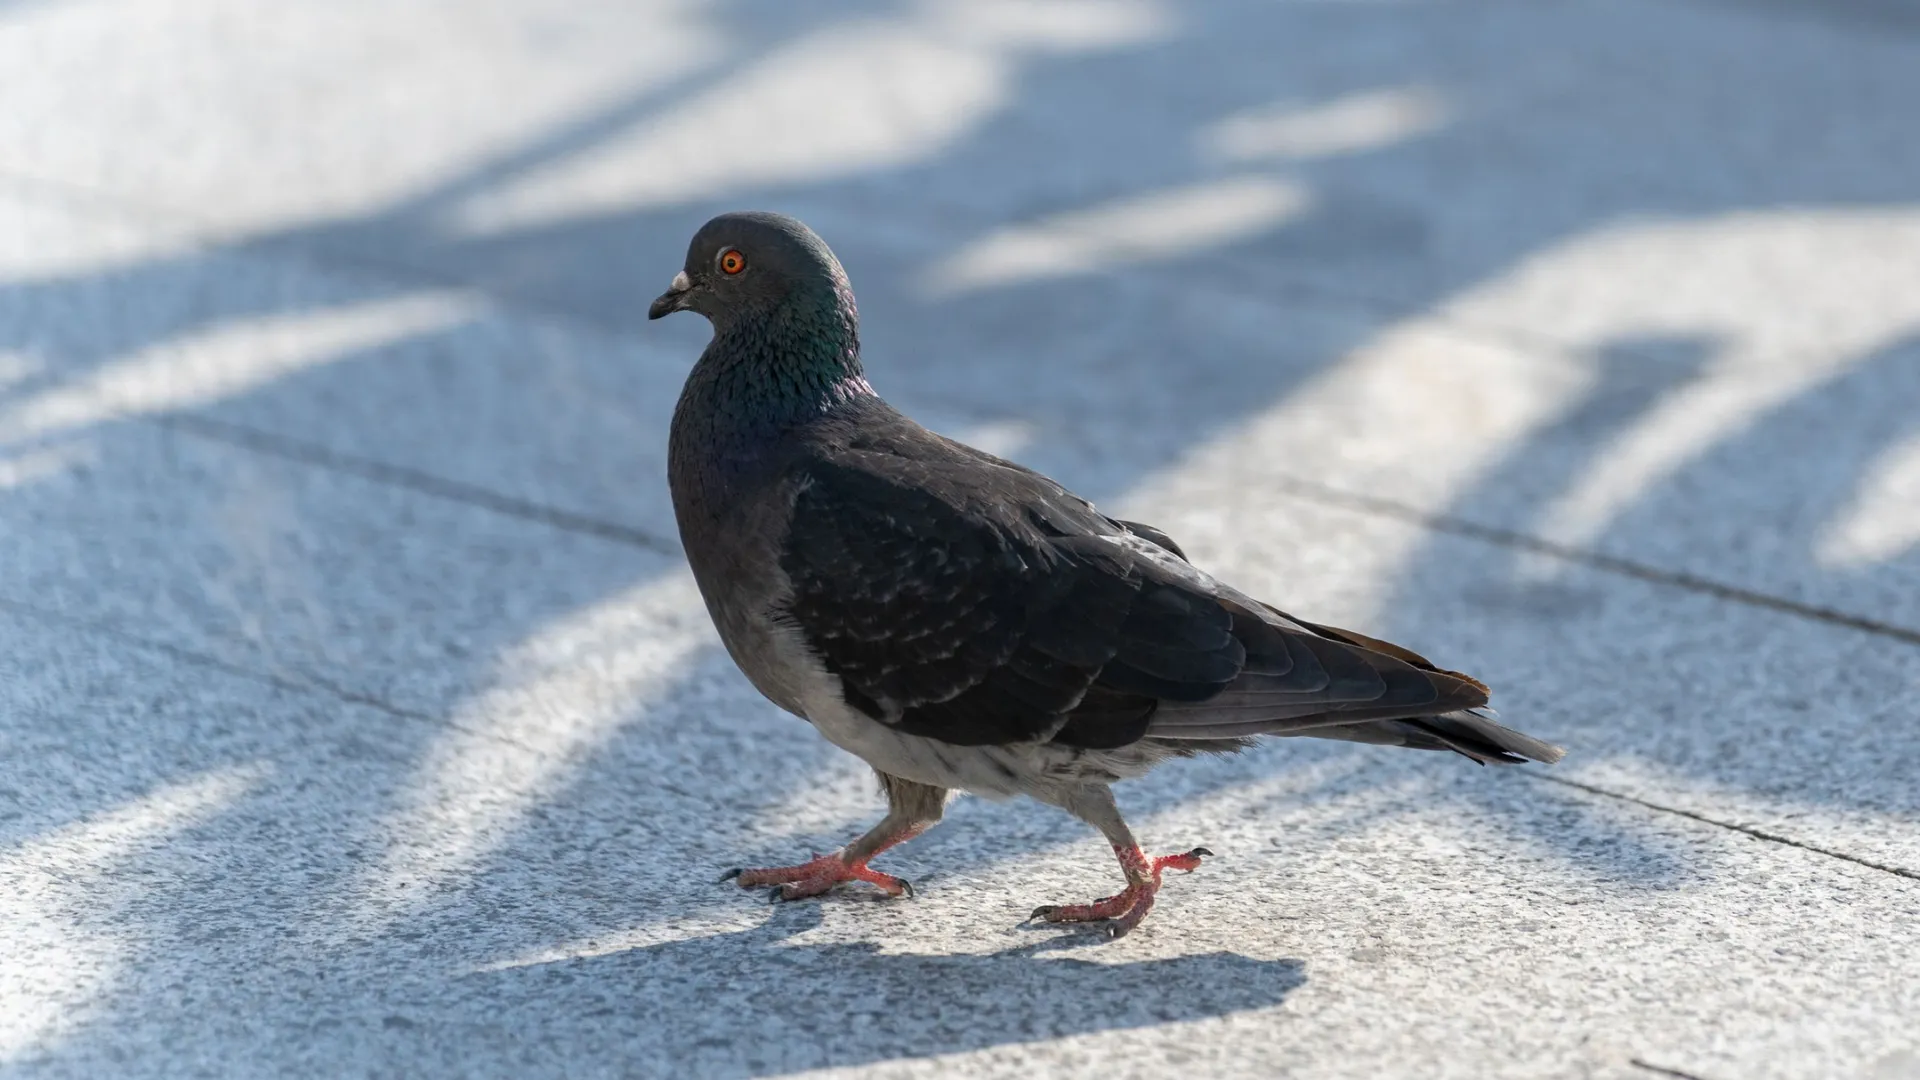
<point>732,512</point>
<point>739,576</point>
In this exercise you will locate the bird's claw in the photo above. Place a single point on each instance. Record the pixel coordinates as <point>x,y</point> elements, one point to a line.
<point>1186,862</point>
<point>818,876</point>
<point>1120,913</point>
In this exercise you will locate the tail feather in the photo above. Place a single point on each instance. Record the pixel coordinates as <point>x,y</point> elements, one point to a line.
<point>1352,687</point>
<point>1474,733</point>
<point>1397,652</point>
<point>1470,733</point>
<point>1297,678</point>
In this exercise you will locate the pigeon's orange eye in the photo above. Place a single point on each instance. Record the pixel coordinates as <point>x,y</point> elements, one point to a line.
<point>733,262</point>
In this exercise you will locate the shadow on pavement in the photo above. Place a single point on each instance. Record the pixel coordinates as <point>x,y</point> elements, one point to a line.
<point>753,1003</point>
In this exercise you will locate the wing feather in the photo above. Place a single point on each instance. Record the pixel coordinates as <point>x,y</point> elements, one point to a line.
<point>972,601</point>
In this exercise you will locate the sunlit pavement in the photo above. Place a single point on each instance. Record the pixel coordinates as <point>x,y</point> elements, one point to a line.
<point>358,717</point>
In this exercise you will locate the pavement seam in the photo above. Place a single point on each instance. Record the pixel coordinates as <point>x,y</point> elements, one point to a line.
<point>1376,506</point>
<point>1662,1070</point>
<point>1749,830</point>
<point>416,480</point>
<point>305,683</point>
<point>432,484</point>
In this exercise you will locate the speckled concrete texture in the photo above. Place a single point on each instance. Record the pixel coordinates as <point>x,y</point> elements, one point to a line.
<point>358,716</point>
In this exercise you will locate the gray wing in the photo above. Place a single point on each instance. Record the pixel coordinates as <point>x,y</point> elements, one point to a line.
<point>975,604</point>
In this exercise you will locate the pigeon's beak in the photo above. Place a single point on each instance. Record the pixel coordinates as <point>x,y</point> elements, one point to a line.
<point>674,299</point>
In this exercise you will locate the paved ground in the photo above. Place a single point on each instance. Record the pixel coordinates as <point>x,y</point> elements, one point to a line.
<point>357,716</point>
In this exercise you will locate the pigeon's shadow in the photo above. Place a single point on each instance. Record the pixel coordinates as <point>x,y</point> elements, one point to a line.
<point>755,1002</point>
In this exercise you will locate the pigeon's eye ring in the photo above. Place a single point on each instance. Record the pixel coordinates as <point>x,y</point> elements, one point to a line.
<point>732,262</point>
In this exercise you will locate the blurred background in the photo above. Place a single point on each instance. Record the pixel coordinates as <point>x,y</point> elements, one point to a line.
<point>357,714</point>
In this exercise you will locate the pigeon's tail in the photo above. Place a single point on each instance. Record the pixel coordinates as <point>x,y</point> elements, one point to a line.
<point>1471,732</point>
<point>1303,679</point>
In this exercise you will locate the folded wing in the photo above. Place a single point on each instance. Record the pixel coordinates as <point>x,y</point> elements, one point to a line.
<point>976,602</point>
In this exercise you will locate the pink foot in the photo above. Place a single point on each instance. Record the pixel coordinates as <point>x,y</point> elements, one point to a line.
<point>817,876</point>
<point>1124,910</point>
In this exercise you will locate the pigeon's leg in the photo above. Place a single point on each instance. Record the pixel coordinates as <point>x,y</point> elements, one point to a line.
<point>1123,910</point>
<point>911,810</point>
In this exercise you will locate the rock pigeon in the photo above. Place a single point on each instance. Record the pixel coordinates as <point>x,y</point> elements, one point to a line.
<point>963,623</point>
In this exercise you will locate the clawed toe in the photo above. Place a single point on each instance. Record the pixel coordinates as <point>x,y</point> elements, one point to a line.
<point>1124,910</point>
<point>1186,862</point>
<point>1112,907</point>
<point>817,876</point>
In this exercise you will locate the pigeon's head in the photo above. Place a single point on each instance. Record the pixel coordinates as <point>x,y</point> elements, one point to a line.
<point>751,264</point>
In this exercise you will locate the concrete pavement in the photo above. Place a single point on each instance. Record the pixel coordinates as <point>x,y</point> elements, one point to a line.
<point>357,716</point>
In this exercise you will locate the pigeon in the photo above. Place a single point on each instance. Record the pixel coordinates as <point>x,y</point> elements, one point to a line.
<point>963,623</point>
